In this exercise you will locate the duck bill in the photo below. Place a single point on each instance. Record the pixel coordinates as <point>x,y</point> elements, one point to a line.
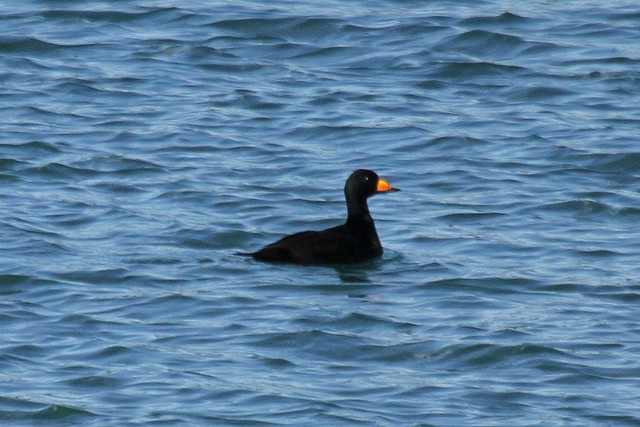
<point>384,186</point>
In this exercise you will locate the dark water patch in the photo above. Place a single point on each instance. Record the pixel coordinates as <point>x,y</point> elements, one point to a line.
<point>15,409</point>
<point>265,29</point>
<point>598,253</point>
<point>606,60</point>
<point>475,217</point>
<point>315,28</point>
<point>115,354</point>
<point>117,189</point>
<point>432,84</point>
<point>492,355</point>
<point>13,279</point>
<point>329,53</point>
<point>10,404</point>
<point>289,50</point>
<point>278,363</point>
<point>463,70</point>
<point>226,240</point>
<point>485,285</point>
<point>182,301</point>
<point>205,54</point>
<point>320,343</point>
<point>536,94</point>
<point>26,352</point>
<point>505,19</point>
<point>254,28</point>
<point>630,212</point>
<point>486,43</point>
<point>55,412</point>
<point>35,228</point>
<point>622,163</point>
<point>629,293</point>
<point>355,321</point>
<point>350,285</point>
<point>92,382</point>
<point>31,148</point>
<point>615,419</point>
<point>20,409</point>
<point>111,276</point>
<point>631,15</point>
<point>8,178</point>
<point>195,149</point>
<point>577,207</point>
<point>85,322</point>
<point>455,142</point>
<point>563,288</point>
<point>117,165</point>
<point>34,45</point>
<point>59,171</point>
<point>597,30</point>
<point>80,88</point>
<point>95,16</point>
<point>257,103</point>
<point>198,197</point>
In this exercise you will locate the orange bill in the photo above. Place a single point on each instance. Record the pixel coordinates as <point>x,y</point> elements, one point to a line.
<point>384,186</point>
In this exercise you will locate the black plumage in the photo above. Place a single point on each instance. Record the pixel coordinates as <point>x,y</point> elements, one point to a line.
<point>354,241</point>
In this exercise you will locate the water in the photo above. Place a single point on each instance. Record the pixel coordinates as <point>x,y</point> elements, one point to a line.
<point>142,145</point>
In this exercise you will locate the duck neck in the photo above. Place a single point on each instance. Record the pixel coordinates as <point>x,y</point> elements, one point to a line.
<point>358,211</point>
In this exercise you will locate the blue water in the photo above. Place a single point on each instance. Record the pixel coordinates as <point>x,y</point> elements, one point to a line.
<point>143,144</point>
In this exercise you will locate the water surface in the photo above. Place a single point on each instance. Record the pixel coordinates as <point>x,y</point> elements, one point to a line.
<point>142,146</point>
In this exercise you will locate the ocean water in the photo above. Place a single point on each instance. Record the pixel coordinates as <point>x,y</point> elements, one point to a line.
<point>143,144</point>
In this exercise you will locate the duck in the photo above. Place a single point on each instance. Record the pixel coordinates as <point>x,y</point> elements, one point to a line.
<point>353,242</point>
